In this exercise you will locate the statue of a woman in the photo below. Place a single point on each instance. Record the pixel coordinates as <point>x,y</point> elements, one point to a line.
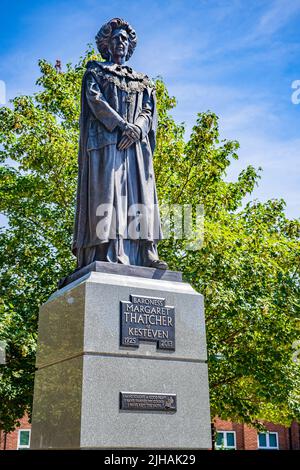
<point>117,216</point>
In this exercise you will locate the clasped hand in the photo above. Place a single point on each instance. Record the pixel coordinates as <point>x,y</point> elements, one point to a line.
<point>130,134</point>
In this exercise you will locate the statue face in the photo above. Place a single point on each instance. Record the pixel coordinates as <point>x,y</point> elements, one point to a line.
<point>118,44</point>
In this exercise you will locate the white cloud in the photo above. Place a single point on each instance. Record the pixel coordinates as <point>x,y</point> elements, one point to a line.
<point>278,15</point>
<point>254,120</point>
<point>279,159</point>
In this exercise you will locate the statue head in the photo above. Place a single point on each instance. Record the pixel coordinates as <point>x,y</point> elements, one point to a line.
<point>116,40</point>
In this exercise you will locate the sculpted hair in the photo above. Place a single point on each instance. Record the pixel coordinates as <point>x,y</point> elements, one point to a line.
<point>103,36</point>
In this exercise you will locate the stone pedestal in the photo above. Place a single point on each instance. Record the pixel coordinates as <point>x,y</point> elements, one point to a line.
<point>83,368</point>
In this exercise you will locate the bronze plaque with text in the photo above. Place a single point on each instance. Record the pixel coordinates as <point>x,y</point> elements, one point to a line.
<point>147,319</point>
<point>135,401</point>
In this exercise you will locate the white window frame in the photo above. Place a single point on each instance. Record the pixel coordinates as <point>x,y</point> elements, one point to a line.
<point>19,438</point>
<point>225,446</point>
<point>268,440</point>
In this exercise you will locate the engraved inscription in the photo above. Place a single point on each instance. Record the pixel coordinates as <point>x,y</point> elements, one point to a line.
<point>147,319</point>
<point>148,402</point>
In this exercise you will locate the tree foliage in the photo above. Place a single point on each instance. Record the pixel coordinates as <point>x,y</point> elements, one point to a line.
<point>247,268</point>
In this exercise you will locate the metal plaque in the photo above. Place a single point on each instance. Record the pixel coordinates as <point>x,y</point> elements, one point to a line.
<point>147,319</point>
<point>148,402</point>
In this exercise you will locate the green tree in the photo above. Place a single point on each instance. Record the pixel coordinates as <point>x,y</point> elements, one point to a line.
<point>247,267</point>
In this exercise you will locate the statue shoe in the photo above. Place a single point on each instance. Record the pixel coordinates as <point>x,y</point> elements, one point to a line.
<point>157,264</point>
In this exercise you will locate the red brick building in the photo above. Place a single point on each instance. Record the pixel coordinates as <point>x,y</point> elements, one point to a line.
<point>17,440</point>
<point>242,437</point>
<point>228,436</point>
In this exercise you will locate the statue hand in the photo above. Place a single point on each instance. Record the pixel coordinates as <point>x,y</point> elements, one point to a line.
<point>125,142</point>
<point>132,131</point>
<point>131,134</point>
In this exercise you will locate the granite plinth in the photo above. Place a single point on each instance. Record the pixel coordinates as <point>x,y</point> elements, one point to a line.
<point>87,415</point>
<point>122,270</point>
<point>82,369</point>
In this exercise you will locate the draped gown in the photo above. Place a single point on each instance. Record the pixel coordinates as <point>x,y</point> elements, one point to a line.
<point>117,215</point>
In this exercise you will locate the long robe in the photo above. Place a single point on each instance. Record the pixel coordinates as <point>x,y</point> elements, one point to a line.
<point>117,215</point>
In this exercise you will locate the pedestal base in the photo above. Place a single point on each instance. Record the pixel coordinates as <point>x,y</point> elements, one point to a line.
<point>82,369</point>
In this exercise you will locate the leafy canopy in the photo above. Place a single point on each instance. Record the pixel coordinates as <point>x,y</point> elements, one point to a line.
<point>247,268</point>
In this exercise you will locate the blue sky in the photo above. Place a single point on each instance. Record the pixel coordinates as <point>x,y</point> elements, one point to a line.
<point>237,58</point>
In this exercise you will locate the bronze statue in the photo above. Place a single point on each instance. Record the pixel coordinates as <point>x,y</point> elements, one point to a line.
<point>117,215</point>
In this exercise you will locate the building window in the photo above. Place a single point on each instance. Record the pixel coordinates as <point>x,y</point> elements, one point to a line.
<point>225,440</point>
<point>268,440</point>
<point>23,439</point>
